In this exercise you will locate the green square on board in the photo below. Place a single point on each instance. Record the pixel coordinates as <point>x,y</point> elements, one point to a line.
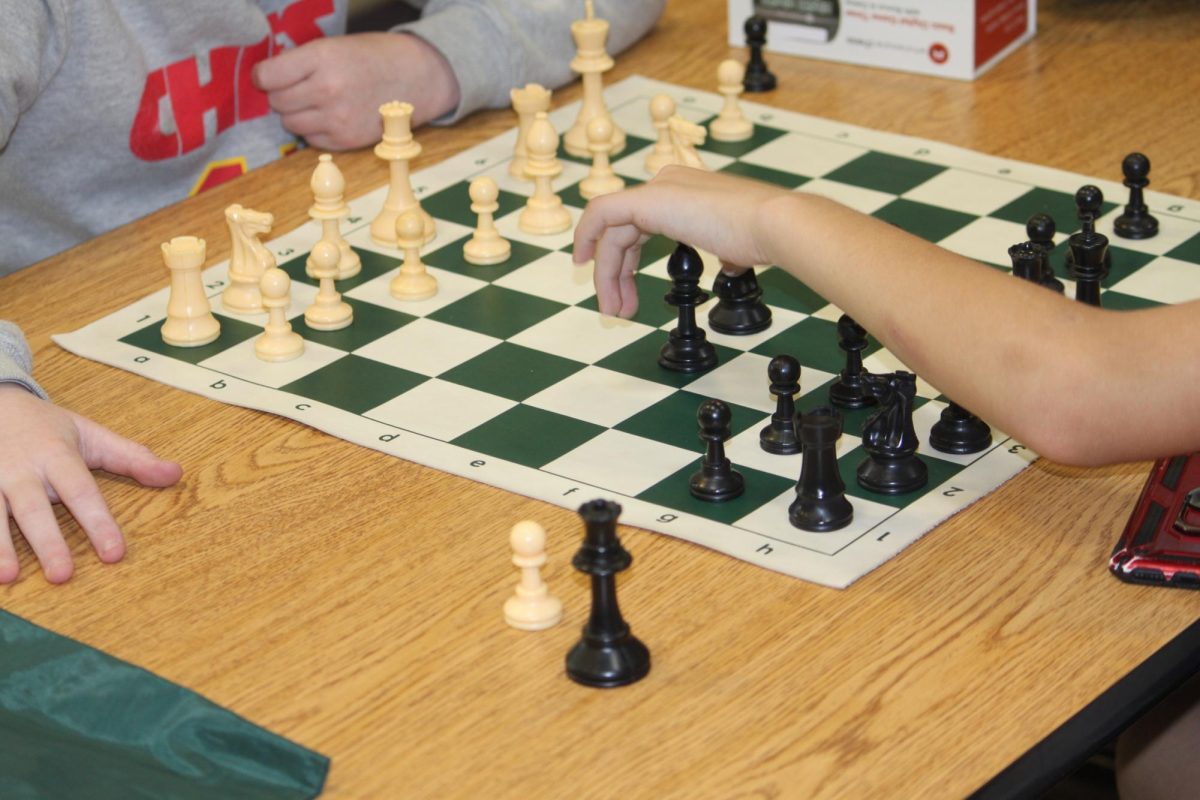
<point>233,331</point>
<point>512,371</point>
<point>373,265</point>
<point>1125,263</point>
<point>813,342</point>
<point>454,204</point>
<point>528,436</point>
<point>632,145</point>
<point>788,180</point>
<point>672,420</point>
<point>885,173</point>
<point>496,311</point>
<point>654,249</point>
<point>940,471</point>
<point>640,359</point>
<point>1059,205</point>
<point>1125,302</point>
<point>673,492</point>
<point>370,323</point>
<point>570,194</point>
<point>1188,251</point>
<point>450,258</point>
<point>762,135</point>
<point>929,222</point>
<point>355,384</point>
<point>782,290</point>
<point>652,309</point>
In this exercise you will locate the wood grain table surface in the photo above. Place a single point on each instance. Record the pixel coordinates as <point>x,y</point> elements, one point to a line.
<point>352,601</point>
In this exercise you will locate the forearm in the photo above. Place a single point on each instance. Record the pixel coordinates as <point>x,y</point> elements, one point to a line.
<point>16,362</point>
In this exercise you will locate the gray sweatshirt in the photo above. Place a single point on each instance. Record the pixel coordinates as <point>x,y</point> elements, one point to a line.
<point>111,109</point>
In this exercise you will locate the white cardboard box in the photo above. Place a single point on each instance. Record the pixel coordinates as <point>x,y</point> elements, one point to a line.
<point>951,38</point>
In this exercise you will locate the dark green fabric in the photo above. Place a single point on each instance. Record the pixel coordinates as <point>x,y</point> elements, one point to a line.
<point>76,723</point>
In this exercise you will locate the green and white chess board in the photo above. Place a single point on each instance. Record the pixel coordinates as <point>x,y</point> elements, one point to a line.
<point>509,375</point>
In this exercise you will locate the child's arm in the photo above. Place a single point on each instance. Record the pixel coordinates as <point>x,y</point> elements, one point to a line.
<point>1077,384</point>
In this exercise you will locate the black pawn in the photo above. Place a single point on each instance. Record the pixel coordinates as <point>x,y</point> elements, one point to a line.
<point>687,349</point>
<point>1027,261</point>
<point>608,654</point>
<point>779,436</point>
<point>758,78</point>
<point>892,465</point>
<point>716,480</point>
<point>1089,254</point>
<point>820,503</point>
<point>1040,229</point>
<point>740,309</point>
<point>1089,201</point>
<point>1136,222</point>
<point>850,390</point>
<point>959,431</point>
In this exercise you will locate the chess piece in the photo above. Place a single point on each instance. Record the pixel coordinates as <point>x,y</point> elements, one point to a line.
<point>591,61</point>
<point>544,213</point>
<point>662,108</point>
<point>758,78</point>
<point>820,503</point>
<point>248,258</point>
<point>278,341</point>
<point>685,138</point>
<point>687,348</point>
<point>740,310</point>
<point>731,124</point>
<point>1136,222</point>
<point>779,436</point>
<point>526,102</point>
<point>892,465</point>
<point>190,322</point>
<point>398,148</point>
<point>328,311</point>
<point>716,481</point>
<point>608,654</point>
<point>329,209</point>
<point>1040,229</point>
<point>601,179</point>
<point>1027,259</point>
<point>531,606</point>
<point>959,431</point>
<point>412,281</point>
<point>1088,249</point>
<point>1089,202</point>
<point>850,389</point>
<point>486,245</point>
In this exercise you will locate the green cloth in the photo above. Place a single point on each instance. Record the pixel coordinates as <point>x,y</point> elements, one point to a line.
<point>77,723</point>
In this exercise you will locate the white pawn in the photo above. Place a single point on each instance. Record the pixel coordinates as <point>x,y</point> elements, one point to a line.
<point>731,124</point>
<point>544,213</point>
<point>329,209</point>
<point>278,341</point>
<point>532,607</point>
<point>486,246</point>
<point>601,179</point>
<point>412,282</point>
<point>662,108</point>
<point>328,311</point>
<point>190,322</point>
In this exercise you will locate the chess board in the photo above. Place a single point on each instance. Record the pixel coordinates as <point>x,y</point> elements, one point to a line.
<point>509,375</point>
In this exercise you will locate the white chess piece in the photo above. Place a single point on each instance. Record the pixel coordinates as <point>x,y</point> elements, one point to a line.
<point>591,61</point>
<point>190,322</point>
<point>248,258</point>
<point>531,607</point>
<point>328,312</point>
<point>412,282</point>
<point>486,246</point>
<point>526,102</point>
<point>662,108</point>
<point>685,137</point>
<point>398,148</point>
<point>544,213</point>
<point>601,179</point>
<point>731,124</point>
<point>278,341</point>
<point>329,209</point>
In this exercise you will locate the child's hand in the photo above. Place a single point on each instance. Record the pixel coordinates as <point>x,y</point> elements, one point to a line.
<point>329,90</point>
<point>46,454</point>
<point>721,214</point>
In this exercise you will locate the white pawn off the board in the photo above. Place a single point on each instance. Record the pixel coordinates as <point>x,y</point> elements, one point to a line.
<point>591,61</point>
<point>685,138</point>
<point>398,148</point>
<point>662,108</point>
<point>328,312</point>
<point>544,213</point>
<point>278,341</point>
<point>731,124</point>
<point>526,102</point>
<point>486,246</point>
<point>329,209</point>
<point>531,607</point>
<point>412,282</point>
<point>248,258</point>
<point>601,179</point>
<point>190,322</point>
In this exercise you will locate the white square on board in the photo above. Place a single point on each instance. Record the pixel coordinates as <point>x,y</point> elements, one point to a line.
<point>240,361</point>
<point>798,154</point>
<point>599,396</point>
<point>427,347</point>
<point>986,239</point>
<point>1165,280</point>
<point>868,201</point>
<point>961,190</point>
<point>451,288</point>
<point>554,276</point>
<point>883,361</point>
<point>446,232</point>
<point>1172,232</point>
<point>781,320</point>
<point>745,450</point>
<point>440,410</point>
<point>581,335</point>
<point>621,462</point>
<point>510,229</point>
<point>743,380</point>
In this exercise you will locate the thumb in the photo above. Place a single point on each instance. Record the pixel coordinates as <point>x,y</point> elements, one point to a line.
<point>103,449</point>
<point>286,69</point>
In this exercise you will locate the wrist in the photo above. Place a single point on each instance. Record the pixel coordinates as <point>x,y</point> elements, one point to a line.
<point>440,94</point>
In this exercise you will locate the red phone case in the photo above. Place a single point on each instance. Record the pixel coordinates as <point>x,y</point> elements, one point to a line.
<point>1161,541</point>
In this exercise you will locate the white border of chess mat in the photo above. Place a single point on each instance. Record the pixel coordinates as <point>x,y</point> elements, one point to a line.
<point>836,559</point>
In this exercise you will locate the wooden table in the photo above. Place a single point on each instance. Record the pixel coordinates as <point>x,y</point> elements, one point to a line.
<point>351,601</point>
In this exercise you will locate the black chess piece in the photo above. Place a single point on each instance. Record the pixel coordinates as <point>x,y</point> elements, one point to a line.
<point>820,503</point>
<point>1136,222</point>
<point>850,389</point>
<point>740,310</point>
<point>892,465</point>
<point>959,431</point>
<point>1040,229</point>
<point>687,349</point>
<point>716,481</point>
<point>779,436</point>
<point>1089,201</point>
<point>758,78</point>
<point>1027,260</point>
<point>608,654</point>
<point>1089,250</point>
